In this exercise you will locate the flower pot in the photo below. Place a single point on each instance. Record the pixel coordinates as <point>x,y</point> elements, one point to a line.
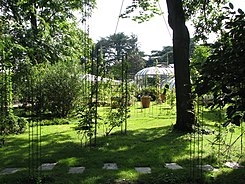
<point>145,101</point>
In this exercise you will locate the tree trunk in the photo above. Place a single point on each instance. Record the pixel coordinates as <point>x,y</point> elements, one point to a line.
<point>181,40</point>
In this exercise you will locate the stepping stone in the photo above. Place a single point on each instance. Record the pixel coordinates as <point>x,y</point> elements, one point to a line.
<point>76,170</point>
<point>10,171</point>
<point>233,165</point>
<point>206,167</point>
<point>110,166</point>
<point>47,166</point>
<point>145,170</point>
<point>173,166</point>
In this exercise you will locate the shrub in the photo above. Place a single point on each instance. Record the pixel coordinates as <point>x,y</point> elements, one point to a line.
<point>11,124</point>
<point>57,88</point>
<point>55,121</point>
<point>151,91</point>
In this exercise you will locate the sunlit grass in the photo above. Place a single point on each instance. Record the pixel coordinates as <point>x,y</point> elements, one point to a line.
<point>149,141</point>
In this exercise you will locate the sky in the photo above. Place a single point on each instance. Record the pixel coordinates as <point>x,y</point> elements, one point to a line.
<point>152,35</point>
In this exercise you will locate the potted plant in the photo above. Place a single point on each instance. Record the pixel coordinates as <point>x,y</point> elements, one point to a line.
<point>146,95</point>
<point>145,101</point>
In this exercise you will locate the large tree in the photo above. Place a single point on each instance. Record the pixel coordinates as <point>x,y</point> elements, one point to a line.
<point>207,13</point>
<point>181,42</point>
<point>164,56</point>
<point>45,30</point>
<point>114,47</point>
<point>36,32</point>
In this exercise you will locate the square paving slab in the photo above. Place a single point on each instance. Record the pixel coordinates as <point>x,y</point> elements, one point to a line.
<point>173,166</point>
<point>76,170</point>
<point>206,167</point>
<point>47,166</point>
<point>145,170</point>
<point>110,166</point>
<point>233,165</point>
<point>10,171</point>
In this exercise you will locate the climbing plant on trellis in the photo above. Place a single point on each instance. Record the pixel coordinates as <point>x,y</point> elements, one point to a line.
<point>6,126</point>
<point>117,115</point>
<point>88,112</point>
<point>214,146</point>
<point>95,80</point>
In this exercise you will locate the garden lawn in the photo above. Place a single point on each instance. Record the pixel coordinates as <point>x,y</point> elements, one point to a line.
<point>149,142</point>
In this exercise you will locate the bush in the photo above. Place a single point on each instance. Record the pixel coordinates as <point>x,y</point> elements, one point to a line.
<point>55,121</point>
<point>151,91</point>
<point>57,88</point>
<point>12,124</point>
<point>22,122</point>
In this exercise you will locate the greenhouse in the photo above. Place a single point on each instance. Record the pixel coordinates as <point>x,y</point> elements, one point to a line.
<point>152,75</point>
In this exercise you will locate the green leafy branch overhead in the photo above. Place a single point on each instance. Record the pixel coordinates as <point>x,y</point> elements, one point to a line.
<point>142,10</point>
<point>223,72</point>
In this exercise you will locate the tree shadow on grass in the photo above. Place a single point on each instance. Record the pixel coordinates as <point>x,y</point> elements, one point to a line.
<point>195,175</point>
<point>151,147</point>
<point>145,147</point>
<point>236,176</point>
<point>214,115</point>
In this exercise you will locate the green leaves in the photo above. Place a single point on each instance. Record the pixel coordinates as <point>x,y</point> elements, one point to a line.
<point>231,6</point>
<point>46,31</point>
<point>142,10</point>
<point>55,88</point>
<point>206,16</point>
<point>35,32</point>
<point>222,74</point>
<point>114,47</point>
<point>240,11</point>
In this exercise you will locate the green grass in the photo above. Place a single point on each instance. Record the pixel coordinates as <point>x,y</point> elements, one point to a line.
<point>150,141</point>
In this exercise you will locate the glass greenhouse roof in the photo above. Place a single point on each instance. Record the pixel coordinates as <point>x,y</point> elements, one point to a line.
<point>170,81</point>
<point>152,71</point>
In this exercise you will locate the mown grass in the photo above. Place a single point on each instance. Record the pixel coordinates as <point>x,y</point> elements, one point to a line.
<point>149,141</point>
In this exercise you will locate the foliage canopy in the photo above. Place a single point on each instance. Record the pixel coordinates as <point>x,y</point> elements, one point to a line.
<point>114,47</point>
<point>222,74</point>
